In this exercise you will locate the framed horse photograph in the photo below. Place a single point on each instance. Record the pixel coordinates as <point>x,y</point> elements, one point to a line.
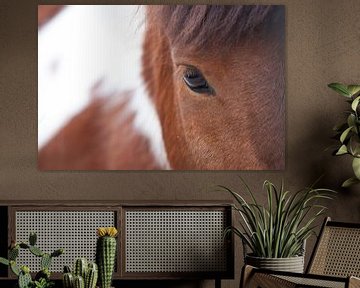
<point>161,87</point>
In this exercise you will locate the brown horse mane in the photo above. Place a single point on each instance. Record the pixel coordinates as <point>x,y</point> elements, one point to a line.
<point>207,25</point>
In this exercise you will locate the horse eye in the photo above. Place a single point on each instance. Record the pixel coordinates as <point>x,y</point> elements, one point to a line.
<point>197,82</point>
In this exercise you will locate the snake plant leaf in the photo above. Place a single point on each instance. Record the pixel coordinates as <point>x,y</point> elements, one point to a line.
<point>349,182</point>
<point>354,90</point>
<point>355,129</point>
<point>342,150</point>
<point>356,167</point>
<point>279,228</point>
<point>355,103</point>
<point>340,89</point>
<point>345,134</point>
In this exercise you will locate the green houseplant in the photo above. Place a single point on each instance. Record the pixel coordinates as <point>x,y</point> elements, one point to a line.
<point>42,278</point>
<point>348,132</point>
<point>276,233</point>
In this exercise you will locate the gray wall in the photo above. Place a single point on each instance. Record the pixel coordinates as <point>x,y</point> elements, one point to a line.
<point>323,46</point>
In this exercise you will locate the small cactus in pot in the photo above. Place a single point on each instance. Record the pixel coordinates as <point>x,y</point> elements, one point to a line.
<point>81,266</point>
<point>106,254</point>
<point>85,275</point>
<point>79,282</point>
<point>68,278</point>
<point>91,276</point>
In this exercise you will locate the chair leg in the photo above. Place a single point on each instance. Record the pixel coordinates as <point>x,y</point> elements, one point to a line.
<point>263,280</point>
<point>217,283</point>
<point>250,278</point>
<point>246,276</point>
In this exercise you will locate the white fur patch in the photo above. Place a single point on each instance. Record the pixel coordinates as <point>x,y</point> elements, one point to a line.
<point>147,122</point>
<point>80,47</point>
<point>90,45</point>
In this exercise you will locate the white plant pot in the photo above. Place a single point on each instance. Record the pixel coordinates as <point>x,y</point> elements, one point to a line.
<point>291,264</point>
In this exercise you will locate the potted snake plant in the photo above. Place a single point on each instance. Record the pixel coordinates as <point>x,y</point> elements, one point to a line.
<point>274,234</point>
<point>348,132</point>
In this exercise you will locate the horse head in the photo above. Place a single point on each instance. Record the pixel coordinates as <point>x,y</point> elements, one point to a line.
<point>216,77</point>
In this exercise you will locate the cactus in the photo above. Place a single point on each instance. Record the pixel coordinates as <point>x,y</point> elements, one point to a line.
<point>57,252</point>
<point>80,268</point>
<point>25,269</point>
<point>68,280</point>
<point>45,261</point>
<point>24,277</point>
<point>90,272</point>
<point>24,245</point>
<point>14,268</point>
<point>44,273</point>
<point>13,253</point>
<point>91,276</point>
<point>105,254</point>
<point>42,278</point>
<point>24,280</point>
<point>32,238</point>
<point>79,282</point>
<point>36,251</point>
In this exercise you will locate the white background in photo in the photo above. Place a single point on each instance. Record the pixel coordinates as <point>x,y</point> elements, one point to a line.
<point>82,48</point>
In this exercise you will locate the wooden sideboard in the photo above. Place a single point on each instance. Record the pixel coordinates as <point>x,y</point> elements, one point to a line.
<point>157,240</point>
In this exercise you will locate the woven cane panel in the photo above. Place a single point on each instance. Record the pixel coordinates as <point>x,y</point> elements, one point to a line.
<point>175,241</point>
<point>306,282</point>
<point>268,280</point>
<point>75,231</point>
<point>338,253</point>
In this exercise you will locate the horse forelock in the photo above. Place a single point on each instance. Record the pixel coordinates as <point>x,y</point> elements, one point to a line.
<point>202,26</point>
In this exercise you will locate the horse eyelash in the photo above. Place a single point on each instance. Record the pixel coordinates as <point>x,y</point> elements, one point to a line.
<point>194,73</point>
<point>191,72</point>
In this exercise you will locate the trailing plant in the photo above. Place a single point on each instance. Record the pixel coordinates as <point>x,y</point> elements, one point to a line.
<point>85,275</point>
<point>42,278</point>
<point>106,254</point>
<point>279,229</point>
<point>348,132</point>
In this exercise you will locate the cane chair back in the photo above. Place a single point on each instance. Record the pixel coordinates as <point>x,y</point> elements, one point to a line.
<point>337,252</point>
<point>335,262</point>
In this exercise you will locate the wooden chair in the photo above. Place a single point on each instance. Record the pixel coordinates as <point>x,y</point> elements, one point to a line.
<point>334,263</point>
